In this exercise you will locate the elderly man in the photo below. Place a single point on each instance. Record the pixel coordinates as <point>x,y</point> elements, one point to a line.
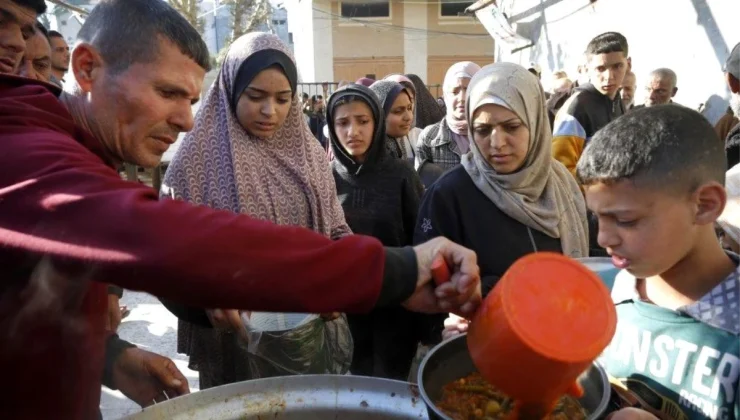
<point>661,87</point>
<point>70,221</point>
<point>36,61</point>
<point>732,74</point>
<point>629,86</point>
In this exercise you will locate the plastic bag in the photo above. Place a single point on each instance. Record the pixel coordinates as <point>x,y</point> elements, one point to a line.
<point>296,344</point>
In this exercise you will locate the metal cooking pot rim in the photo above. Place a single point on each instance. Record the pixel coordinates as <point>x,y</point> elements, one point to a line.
<point>600,409</point>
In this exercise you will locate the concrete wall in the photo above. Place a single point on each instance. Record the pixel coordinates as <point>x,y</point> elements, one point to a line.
<point>312,38</point>
<point>692,37</point>
<point>379,48</point>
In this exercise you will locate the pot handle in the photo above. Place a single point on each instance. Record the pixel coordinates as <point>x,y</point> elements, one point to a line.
<point>440,271</point>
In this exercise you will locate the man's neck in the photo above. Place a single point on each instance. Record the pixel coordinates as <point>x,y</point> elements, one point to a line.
<point>691,278</point>
<point>58,73</point>
<point>77,107</point>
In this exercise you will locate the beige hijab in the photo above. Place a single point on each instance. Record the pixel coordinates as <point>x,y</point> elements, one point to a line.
<point>542,194</point>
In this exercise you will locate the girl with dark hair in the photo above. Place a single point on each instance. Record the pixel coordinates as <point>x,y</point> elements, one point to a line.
<point>380,196</point>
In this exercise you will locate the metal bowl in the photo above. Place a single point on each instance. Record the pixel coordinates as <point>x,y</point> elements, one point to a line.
<point>306,397</point>
<point>450,361</point>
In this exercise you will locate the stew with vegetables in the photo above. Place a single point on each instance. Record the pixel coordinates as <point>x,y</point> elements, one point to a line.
<point>471,398</point>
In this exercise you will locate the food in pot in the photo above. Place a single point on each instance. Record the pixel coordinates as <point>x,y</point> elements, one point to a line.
<point>472,397</point>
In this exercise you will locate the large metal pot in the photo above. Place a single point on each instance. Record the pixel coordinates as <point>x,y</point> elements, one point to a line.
<point>304,397</point>
<point>450,361</point>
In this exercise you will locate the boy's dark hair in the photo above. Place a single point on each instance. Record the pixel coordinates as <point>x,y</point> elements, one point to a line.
<point>666,146</point>
<point>39,6</point>
<point>606,43</point>
<point>55,34</point>
<point>126,32</point>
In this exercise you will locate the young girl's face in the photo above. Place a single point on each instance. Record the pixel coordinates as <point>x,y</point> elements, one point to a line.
<point>265,103</point>
<point>398,123</point>
<point>354,126</point>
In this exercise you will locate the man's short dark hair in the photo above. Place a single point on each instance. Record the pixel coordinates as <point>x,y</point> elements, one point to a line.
<point>55,34</point>
<point>670,147</point>
<point>124,31</point>
<point>606,43</point>
<point>39,6</point>
<point>40,26</point>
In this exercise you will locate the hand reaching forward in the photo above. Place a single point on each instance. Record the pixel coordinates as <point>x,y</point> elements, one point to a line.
<point>461,295</point>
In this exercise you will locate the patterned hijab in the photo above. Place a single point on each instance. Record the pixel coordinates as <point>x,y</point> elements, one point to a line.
<point>285,179</point>
<point>461,70</point>
<point>542,194</point>
<point>427,109</point>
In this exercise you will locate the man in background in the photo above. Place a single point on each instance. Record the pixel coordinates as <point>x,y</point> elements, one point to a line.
<point>629,86</point>
<point>732,75</point>
<point>59,56</point>
<point>36,61</point>
<point>661,87</point>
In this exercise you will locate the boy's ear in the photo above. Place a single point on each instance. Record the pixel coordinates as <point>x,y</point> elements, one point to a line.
<point>710,200</point>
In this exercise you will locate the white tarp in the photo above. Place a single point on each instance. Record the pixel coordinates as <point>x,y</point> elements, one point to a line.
<point>499,28</point>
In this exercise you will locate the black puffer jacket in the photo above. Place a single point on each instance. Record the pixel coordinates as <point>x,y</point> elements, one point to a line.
<point>732,146</point>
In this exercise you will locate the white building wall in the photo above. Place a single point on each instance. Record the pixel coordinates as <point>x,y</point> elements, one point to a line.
<point>312,39</point>
<point>692,37</point>
<point>415,51</point>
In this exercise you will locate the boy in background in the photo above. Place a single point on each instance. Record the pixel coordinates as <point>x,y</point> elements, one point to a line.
<point>655,180</point>
<point>595,104</point>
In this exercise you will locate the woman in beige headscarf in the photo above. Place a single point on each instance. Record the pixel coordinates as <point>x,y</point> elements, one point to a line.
<point>509,197</point>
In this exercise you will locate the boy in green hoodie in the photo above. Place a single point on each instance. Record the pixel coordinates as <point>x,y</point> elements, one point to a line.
<point>654,178</point>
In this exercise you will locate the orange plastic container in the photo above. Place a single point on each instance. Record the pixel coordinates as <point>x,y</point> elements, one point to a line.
<point>543,324</point>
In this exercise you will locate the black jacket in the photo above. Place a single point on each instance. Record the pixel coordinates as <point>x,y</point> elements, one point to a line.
<point>380,198</point>
<point>456,209</point>
<point>732,147</point>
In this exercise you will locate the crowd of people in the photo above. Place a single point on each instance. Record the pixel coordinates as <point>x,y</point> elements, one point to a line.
<point>255,215</point>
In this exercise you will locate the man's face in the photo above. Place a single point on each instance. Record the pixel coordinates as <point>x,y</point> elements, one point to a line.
<point>36,62</point>
<point>59,54</point>
<point>629,86</point>
<point>659,91</point>
<point>17,24</point>
<point>607,72</point>
<point>139,112</point>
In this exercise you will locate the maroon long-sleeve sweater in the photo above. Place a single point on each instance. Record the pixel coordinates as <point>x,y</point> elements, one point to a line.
<point>68,221</point>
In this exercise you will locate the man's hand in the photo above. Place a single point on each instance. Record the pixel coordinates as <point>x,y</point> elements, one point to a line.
<point>225,319</point>
<point>114,314</point>
<point>454,325</point>
<point>146,377</point>
<point>461,295</point>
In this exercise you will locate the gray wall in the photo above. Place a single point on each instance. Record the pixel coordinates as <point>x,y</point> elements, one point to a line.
<point>692,37</point>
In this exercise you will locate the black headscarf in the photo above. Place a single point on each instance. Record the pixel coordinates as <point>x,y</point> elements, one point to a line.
<point>377,151</point>
<point>427,109</point>
<point>257,62</point>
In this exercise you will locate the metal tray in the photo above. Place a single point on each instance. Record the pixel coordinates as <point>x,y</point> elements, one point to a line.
<point>296,397</point>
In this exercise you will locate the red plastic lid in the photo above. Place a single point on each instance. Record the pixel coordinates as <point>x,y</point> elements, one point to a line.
<point>558,307</point>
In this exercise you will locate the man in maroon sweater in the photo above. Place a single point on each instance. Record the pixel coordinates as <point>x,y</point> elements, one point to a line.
<point>67,220</point>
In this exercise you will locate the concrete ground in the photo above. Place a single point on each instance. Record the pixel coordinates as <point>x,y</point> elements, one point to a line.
<point>151,327</point>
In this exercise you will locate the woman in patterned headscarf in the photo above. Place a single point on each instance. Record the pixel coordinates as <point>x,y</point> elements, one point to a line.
<point>427,111</point>
<point>445,142</point>
<point>509,197</point>
<point>251,152</point>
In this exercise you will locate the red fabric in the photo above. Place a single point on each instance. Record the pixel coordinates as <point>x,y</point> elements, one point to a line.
<point>67,219</point>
